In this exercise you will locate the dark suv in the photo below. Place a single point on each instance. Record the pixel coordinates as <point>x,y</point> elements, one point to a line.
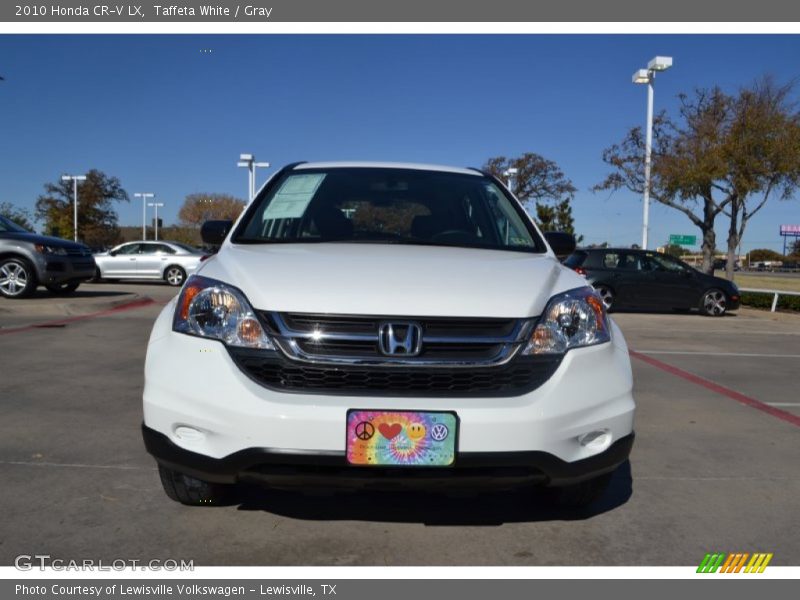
<point>627,278</point>
<point>28,260</point>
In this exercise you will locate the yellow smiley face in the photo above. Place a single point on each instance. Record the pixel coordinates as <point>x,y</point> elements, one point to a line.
<point>416,431</point>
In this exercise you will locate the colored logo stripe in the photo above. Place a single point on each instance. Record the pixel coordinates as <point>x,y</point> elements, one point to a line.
<point>734,562</point>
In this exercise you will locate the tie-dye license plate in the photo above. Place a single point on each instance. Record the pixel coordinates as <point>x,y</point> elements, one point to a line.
<point>401,438</point>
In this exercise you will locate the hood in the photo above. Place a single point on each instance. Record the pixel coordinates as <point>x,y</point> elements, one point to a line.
<point>384,279</point>
<point>45,240</point>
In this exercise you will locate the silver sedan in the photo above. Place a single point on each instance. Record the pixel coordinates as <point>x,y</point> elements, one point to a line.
<point>170,261</point>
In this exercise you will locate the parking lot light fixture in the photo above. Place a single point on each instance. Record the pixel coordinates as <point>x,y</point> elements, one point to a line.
<point>249,162</point>
<point>510,174</point>
<point>144,196</point>
<point>647,76</point>
<point>75,179</point>
<point>155,206</point>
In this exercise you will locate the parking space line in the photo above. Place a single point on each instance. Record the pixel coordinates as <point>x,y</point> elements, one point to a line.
<point>784,403</point>
<point>141,302</point>
<point>719,389</point>
<point>74,465</point>
<point>697,353</point>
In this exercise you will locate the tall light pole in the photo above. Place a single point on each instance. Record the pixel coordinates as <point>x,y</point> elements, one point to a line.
<point>249,162</point>
<point>144,196</point>
<point>511,178</point>
<point>648,75</point>
<point>75,179</point>
<point>155,206</point>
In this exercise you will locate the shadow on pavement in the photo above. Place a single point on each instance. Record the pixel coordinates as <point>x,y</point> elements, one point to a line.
<point>480,509</point>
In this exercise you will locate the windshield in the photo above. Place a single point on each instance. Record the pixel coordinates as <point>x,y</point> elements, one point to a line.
<point>388,206</point>
<point>8,226</point>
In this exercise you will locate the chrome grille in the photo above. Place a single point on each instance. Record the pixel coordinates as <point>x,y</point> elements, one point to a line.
<point>355,339</point>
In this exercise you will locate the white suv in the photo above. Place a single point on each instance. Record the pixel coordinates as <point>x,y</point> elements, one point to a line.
<point>382,325</point>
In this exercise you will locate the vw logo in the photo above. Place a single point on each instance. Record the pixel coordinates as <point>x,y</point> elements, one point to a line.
<point>400,338</point>
<point>439,432</point>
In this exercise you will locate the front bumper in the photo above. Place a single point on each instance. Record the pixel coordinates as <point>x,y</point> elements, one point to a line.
<point>52,269</point>
<point>282,469</point>
<point>202,403</point>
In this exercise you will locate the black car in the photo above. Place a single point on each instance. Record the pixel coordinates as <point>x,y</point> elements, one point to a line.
<point>626,278</point>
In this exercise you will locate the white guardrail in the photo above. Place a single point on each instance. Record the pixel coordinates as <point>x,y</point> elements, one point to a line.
<point>775,294</point>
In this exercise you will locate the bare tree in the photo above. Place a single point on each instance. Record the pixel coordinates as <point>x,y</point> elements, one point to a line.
<point>542,183</point>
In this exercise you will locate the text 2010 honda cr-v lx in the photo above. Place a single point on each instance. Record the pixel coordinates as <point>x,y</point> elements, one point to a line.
<point>382,325</point>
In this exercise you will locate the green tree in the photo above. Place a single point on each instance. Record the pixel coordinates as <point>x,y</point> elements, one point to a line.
<point>199,208</point>
<point>722,154</point>
<point>20,216</point>
<point>541,183</point>
<point>762,254</point>
<point>761,147</point>
<point>97,219</point>
<point>675,250</point>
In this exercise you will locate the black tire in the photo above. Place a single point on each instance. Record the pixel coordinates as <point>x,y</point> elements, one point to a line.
<point>17,278</point>
<point>714,303</point>
<point>683,311</point>
<point>175,275</point>
<point>98,276</point>
<point>62,289</point>
<point>194,492</point>
<point>606,295</point>
<point>580,494</point>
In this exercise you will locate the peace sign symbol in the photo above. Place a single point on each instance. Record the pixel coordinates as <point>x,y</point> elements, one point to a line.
<point>365,430</point>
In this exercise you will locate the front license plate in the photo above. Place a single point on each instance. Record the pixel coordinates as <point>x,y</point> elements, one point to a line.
<point>401,438</point>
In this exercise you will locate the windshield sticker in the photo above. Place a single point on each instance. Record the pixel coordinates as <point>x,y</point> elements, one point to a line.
<point>294,196</point>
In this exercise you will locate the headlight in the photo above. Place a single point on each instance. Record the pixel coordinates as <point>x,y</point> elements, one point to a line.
<point>211,309</point>
<point>58,251</point>
<point>573,319</point>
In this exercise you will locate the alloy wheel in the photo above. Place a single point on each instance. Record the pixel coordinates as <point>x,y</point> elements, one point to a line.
<point>714,303</point>
<point>175,276</point>
<point>606,295</point>
<point>13,279</point>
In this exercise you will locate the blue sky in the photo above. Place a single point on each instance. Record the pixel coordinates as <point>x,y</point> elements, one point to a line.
<point>165,114</point>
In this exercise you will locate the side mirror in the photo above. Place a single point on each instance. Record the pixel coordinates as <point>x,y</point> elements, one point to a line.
<point>112,252</point>
<point>215,232</point>
<point>563,244</point>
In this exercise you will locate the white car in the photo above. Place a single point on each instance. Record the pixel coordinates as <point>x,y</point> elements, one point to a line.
<point>163,260</point>
<point>380,325</point>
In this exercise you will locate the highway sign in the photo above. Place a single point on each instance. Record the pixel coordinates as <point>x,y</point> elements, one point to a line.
<point>682,240</point>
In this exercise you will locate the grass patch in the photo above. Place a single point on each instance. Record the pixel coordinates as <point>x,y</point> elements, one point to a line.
<point>765,301</point>
<point>764,281</point>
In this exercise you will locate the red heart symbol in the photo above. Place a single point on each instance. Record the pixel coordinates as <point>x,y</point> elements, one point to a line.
<point>390,431</point>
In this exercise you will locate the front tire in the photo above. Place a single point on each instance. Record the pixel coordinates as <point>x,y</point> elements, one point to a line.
<point>194,492</point>
<point>62,289</point>
<point>714,303</point>
<point>17,278</point>
<point>175,275</point>
<point>606,295</point>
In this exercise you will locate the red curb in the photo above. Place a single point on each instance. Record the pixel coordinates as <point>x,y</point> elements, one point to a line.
<point>109,311</point>
<point>720,389</point>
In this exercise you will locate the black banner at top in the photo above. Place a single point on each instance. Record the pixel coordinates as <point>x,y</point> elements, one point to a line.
<point>443,11</point>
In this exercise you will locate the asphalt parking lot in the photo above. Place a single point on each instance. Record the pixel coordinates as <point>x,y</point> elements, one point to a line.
<point>716,465</point>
